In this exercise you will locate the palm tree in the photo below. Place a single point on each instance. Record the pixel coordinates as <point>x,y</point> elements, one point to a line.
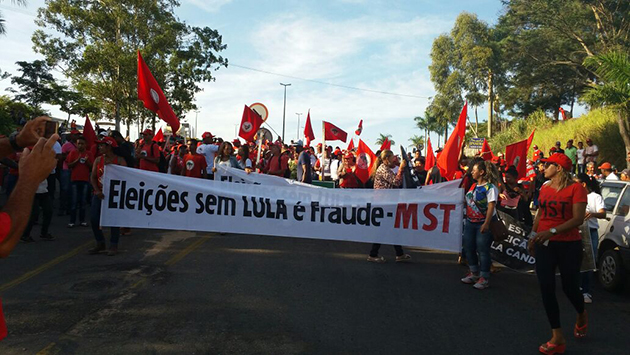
<point>416,141</point>
<point>382,137</point>
<point>2,28</point>
<point>612,88</point>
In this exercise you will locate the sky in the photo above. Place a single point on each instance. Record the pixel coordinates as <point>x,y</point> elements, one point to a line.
<point>334,53</point>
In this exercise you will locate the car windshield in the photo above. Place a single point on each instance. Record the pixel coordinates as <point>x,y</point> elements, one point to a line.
<point>610,194</point>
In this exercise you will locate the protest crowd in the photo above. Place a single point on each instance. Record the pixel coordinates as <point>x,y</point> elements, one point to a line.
<point>59,174</point>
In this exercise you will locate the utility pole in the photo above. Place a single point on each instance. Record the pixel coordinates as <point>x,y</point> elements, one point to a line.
<point>196,115</point>
<point>297,138</point>
<point>284,111</point>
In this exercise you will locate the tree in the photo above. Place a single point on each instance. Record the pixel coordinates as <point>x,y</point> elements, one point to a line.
<point>2,28</point>
<point>36,84</point>
<point>612,88</point>
<point>382,137</point>
<point>13,113</point>
<point>416,140</point>
<point>95,46</point>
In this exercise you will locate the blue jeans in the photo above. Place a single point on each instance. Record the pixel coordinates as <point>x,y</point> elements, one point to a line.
<point>64,191</point>
<point>11,181</point>
<point>588,276</point>
<point>475,243</point>
<point>95,219</point>
<point>79,194</point>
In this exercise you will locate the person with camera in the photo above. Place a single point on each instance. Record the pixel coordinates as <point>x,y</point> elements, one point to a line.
<point>80,162</point>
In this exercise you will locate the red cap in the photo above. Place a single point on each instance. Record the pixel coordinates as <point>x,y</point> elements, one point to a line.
<point>560,159</point>
<point>206,134</point>
<point>109,141</point>
<point>74,131</point>
<point>606,166</point>
<point>236,142</point>
<point>349,156</point>
<point>319,144</point>
<point>147,131</point>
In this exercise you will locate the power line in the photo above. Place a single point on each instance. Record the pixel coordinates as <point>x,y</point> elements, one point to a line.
<point>330,84</point>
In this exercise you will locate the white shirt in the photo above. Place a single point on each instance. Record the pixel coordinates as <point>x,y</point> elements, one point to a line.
<point>595,202</point>
<point>57,149</point>
<point>334,166</point>
<point>43,187</point>
<point>612,177</point>
<point>591,150</point>
<point>580,156</point>
<point>209,151</point>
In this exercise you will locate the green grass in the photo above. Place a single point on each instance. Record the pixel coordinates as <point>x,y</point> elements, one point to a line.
<point>600,125</point>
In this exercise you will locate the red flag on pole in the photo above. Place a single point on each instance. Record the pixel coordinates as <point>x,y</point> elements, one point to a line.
<point>308,129</point>
<point>365,161</point>
<point>486,152</point>
<point>516,154</point>
<point>563,113</point>
<point>88,132</point>
<point>351,145</point>
<point>334,133</point>
<point>387,144</point>
<point>448,161</point>
<point>360,129</point>
<point>151,94</point>
<point>159,136</point>
<point>250,123</point>
<point>530,139</point>
<point>430,161</point>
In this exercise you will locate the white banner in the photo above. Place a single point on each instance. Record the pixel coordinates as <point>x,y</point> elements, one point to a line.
<point>428,218</point>
<point>228,174</point>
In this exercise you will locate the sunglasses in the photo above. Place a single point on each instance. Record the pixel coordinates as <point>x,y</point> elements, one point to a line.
<point>548,164</point>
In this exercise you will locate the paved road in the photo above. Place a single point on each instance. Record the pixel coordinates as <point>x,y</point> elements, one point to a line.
<point>204,293</point>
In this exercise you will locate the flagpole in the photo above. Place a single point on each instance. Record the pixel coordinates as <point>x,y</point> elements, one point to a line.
<point>259,151</point>
<point>321,162</point>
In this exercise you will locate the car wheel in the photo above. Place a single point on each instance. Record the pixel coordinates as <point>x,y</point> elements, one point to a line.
<point>611,272</point>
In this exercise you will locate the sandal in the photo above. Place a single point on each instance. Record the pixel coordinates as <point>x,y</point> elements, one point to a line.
<point>551,349</point>
<point>580,332</point>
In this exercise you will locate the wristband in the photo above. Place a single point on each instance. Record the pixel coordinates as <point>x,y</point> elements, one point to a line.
<point>13,142</point>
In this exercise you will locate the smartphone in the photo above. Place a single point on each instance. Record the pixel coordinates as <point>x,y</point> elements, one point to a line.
<point>52,127</point>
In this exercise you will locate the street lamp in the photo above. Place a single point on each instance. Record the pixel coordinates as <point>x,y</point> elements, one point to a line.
<point>285,108</point>
<point>298,128</point>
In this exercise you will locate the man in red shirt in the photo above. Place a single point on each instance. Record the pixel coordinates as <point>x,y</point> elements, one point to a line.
<point>35,165</point>
<point>194,164</point>
<point>278,163</point>
<point>148,154</point>
<point>80,162</point>
<point>537,154</point>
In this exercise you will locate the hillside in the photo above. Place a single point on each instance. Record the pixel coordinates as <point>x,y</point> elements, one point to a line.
<point>600,125</point>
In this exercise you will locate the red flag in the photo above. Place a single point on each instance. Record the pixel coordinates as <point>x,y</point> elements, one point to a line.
<point>159,136</point>
<point>365,161</point>
<point>486,152</point>
<point>351,145</point>
<point>448,161</point>
<point>360,129</point>
<point>430,161</point>
<point>334,133</point>
<point>308,129</point>
<point>516,154</point>
<point>530,139</point>
<point>387,144</point>
<point>151,94</point>
<point>250,123</point>
<point>88,132</point>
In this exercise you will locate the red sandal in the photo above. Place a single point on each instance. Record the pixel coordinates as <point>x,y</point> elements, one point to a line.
<point>551,349</point>
<point>580,332</point>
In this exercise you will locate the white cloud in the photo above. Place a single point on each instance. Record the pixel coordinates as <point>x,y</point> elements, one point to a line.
<point>209,5</point>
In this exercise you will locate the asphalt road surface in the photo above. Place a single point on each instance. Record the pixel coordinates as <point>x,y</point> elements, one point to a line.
<point>173,292</point>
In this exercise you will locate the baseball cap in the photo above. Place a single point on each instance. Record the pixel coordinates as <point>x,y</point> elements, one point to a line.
<point>626,172</point>
<point>560,159</point>
<point>535,146</point>
<point>109,141</point>
<point>147,131</point>
<point>206,134</point>
<point>606,166</point>
<point>553,149</point>
<point>74,131</point>
<point>349,156</point>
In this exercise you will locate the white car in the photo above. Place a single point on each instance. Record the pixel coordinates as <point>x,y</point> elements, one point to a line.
<point>614,233</point>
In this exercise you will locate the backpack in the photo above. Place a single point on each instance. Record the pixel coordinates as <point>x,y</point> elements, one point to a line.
<point>162,163</point>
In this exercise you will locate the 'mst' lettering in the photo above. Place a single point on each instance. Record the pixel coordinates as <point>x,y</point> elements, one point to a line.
<point>406,212</point>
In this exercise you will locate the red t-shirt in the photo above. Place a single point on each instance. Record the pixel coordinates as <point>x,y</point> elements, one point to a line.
<point>81,171</point>
<point>150,150</point>
<point>194,165</point>
<point>278,163</point>
<point>5,227</point>
<point>556,208</point>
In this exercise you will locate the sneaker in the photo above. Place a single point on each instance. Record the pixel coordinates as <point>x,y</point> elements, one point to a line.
<point>588,298</point>
<point>403,258</point>
<point>470,278</point>
<point>70,225</point>
<point>112,251</point>
<point>97,249</point>
<point>83,224</point>
<point>481,284</point>
<point>376,259</point>
<point>27,239</point>
<point>47,237</point>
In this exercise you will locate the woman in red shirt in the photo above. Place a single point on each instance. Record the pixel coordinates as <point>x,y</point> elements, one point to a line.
<point>558,244</point>
<point>80,162</point>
